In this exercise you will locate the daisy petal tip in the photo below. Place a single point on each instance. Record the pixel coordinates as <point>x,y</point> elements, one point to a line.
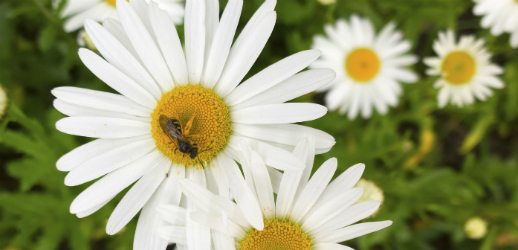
<point>74,207</point>
<point>109,230</point>
<point>55,91</point>
<point>70,181</point>
<point>360,165</point>
<point>259,225</point>
<point>60,165</point>
<point>385,224</point>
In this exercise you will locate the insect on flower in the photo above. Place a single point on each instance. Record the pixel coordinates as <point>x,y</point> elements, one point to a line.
<point>179,135</point>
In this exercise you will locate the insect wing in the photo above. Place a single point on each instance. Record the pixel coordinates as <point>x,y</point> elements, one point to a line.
<point>169,128</point>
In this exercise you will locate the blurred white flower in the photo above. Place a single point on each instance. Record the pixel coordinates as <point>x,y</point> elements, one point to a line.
<point>475,228</point>
<point>499,16</point>
<point>464,69</point>
<point>327,2</point>
<point>77,12</point>
<point>3,101</point>
<point>370,67</point>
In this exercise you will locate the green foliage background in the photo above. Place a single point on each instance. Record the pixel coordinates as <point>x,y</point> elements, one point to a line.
<point>437,167</point>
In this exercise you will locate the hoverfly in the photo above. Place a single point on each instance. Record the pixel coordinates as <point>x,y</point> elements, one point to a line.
<point>179,135</point>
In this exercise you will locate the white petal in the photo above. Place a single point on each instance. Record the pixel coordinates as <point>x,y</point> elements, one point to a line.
<point>74,7</point>
<point>109,160</point>
<point>91,210</point>
<point>150,221</point>
<point>173,234</point>
<point>169,44</point>
<point>272,75</point>
<point>314,188</point>
<point>279,113</point>
<point>218,223</point>
<point>100,100</point>
<point>345,181</point>
<point>322,213</point>
<point>76,110</point>
<point>119,56</point>
<point>293,87</point>
<point>204,199</point>
<point>102,127</point>
<point>287,134</point>
<point>115,28</point>
<point>263,184</point>
<point>110,185</point>
<point>86,151</point>
<point>144,45</point>
<point>98,12</point>
<point>116,79</point>
<point>355,231</point>
<point>245,52</point>
<point>277,157</point>
<point>198,236</point>
<point>349,216</point>
<point>223,242</point>
<point>289,185</point>
<point>220,46</point>
<point>173,214</point>
<point>245,199</point>
<point>136,198</point>
<point>211,19</point>
<point>195,38</point>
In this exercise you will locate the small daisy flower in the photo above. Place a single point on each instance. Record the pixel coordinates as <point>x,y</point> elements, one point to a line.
<point>307,213</point>
<point>369,67</point>
<point>499,16</point>
<point>77,12</point>
<point>465,70</point>
<point>182,113</point>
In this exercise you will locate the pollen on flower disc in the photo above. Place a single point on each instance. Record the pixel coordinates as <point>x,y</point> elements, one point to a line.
<point>362,64</point>
<point>210,118</point>
<point>111,2</point>
<point>278,234</point>
<point>459,67</point>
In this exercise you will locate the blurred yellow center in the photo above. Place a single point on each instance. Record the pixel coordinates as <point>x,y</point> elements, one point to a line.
<point>458,67</point>
<point>362,65</point>
<point>111,2</point>
<point>278,234</point>
<point>203,125</point>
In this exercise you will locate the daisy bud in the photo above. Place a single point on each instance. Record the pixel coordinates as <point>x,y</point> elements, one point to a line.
<point>475,228</point>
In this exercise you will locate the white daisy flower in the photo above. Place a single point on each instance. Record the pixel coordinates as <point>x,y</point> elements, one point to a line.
<point>77,12</point>
<point>499,16</point>
<point>465,70</point>
<point>369,67</point>
<point>182,113</point>
<point>307,213</point>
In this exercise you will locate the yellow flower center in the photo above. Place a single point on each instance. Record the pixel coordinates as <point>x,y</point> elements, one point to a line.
<point>458,67</point>
<point>278,234</point>
<point>111,2</point>
<point>362,65</point>
<point>191,125</point>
